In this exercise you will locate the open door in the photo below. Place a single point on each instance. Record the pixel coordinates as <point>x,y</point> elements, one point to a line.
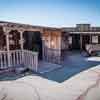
<point>33,42</point>
<point>75,41</point>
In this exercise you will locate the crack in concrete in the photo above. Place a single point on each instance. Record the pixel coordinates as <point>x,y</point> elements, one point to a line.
<point>28,84</point>
<point>81,97</point>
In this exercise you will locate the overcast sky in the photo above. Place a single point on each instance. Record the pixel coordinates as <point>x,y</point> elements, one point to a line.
<point>57,13</point>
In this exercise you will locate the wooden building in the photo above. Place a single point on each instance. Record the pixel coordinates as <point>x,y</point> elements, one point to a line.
<point>82,35</point>
<point>50,43</point>
<point>45,40</point>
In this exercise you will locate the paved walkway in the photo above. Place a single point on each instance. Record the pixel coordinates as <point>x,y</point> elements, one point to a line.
<point>84,86</point>
<point>80,86</point>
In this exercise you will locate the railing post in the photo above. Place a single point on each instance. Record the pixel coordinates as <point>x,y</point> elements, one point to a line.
<point>1,61</point>
<point>36,61</point>
<point>5,64</point>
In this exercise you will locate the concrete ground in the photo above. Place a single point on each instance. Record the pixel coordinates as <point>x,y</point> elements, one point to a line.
<point>84,86</point>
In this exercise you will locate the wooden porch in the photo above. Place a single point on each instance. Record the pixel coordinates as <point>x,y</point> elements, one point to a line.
<point>19,58</point>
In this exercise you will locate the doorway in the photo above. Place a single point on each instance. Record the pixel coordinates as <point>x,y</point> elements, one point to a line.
<point>75,41</point>
<point>33,42</point>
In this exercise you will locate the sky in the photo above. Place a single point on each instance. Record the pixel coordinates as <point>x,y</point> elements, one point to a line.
<point>54,13</point>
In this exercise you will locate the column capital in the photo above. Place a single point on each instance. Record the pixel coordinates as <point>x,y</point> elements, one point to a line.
<point>6,30</point>
<point>21,30</point>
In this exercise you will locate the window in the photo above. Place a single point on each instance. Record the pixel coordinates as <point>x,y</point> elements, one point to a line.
<point>94,39</point>
<point>70,39</point>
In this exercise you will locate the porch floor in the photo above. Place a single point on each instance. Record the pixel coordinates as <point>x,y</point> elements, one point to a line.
<point>74,63</point>
<point>45,67</point>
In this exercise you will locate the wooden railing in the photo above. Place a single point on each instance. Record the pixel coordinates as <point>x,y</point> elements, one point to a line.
<point>19,58</point>
<point>52,55</point>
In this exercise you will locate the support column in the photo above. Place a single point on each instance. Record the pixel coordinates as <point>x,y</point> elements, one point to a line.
<point>43,48</point>
<point>90,39</point>
<point>8,48</point>
<point>21,40</point>
<point>22,46</point>
<point>81,42</point>
<point>48,52</point>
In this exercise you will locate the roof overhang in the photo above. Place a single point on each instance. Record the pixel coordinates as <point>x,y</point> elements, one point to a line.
<point>84,32</point>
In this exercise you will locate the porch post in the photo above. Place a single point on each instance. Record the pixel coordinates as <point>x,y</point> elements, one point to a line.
<point>21,40</point>
<point>43,47</point>
<point>8,48</point>
<point>49,48</point>
<point>22,46</point>
<point>81,42</point>
<point>90,39</point>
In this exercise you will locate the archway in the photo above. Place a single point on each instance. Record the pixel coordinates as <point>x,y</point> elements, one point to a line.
<point>33,41</point>
<point>14,39</point>
<point>2,39</point>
